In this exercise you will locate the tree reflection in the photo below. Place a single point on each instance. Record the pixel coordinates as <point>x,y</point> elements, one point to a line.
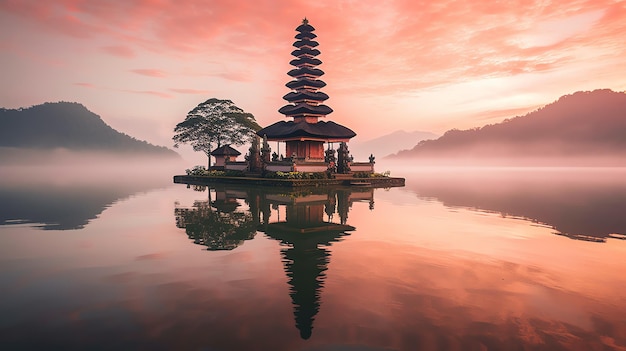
<point>215,229</point>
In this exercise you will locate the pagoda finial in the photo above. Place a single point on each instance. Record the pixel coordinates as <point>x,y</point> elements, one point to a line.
<point>305,21</point>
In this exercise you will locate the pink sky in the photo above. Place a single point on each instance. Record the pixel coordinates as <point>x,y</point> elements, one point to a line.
<point>414,65</point>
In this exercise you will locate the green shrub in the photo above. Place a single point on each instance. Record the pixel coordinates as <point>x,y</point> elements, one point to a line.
<point>296,175</point>
<point>215,173</point>
<point>197,171</point>
<point>202,171</point>
<point>371,175</point>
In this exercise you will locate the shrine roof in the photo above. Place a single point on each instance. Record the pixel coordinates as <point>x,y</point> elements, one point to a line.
<point>225,150</point>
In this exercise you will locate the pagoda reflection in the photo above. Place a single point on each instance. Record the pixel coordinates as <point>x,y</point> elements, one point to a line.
<point>305,222</point>
<point>306,231</point>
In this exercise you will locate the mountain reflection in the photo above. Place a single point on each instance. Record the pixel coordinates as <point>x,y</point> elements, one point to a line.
<point>579,204</point>
<point>304,222</point>
<point>64,206</point>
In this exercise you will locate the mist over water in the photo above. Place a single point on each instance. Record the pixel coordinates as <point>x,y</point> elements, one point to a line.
<point>102,254</point>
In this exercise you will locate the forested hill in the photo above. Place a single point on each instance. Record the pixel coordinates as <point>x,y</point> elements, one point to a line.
<point>70,126</point>
<point>585,124</point>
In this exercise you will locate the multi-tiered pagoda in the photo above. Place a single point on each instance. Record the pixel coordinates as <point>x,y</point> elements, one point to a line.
<point>305,135</point>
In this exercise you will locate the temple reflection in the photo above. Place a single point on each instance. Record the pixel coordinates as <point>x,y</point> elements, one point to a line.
<point>305,223</point>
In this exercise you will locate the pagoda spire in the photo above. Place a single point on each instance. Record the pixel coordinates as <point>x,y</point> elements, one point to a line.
<point>305,134</point>
<point>305,99</point>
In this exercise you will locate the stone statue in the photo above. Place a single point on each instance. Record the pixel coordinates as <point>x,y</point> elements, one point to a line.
<point>265,150</point>
<point>343,159</point>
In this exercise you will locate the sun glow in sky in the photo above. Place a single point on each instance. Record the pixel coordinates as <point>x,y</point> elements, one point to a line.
<point>413,65</point>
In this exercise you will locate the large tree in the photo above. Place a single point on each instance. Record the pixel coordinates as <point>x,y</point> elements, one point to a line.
<point>214,123</point>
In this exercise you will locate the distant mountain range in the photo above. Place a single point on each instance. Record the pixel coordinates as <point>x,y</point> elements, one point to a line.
<point>584,124</point>
<point>388,144</point>
<point>71,126</point>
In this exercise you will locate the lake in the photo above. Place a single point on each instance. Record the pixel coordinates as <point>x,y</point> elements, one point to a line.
<point>458,259</point>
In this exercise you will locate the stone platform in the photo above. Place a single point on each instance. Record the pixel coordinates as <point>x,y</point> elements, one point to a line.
<point>341,180</point>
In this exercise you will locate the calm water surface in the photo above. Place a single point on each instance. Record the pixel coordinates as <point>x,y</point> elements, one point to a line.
<point>456,260</point>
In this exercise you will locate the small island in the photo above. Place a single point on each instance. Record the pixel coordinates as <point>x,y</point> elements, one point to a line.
<point>309,158</point>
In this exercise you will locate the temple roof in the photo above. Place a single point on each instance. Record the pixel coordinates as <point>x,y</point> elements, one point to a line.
<point>305,61</point>
<point>305,51</point>
<point>304,108</point>
<point>306,35</point>
<point>305,95</point>
<point>305,42</point>
<point>316,72</point>
<point>322,130</point>
<point>305,27</point>
<point>301,83</point>
<point>225,150</point>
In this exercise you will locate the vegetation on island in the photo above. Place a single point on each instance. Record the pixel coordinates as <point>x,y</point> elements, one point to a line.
<point>204,172</point>
<point>371,174</point>
<point>214,123</point>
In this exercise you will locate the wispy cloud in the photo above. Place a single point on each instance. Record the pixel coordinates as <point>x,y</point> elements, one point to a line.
<point>153,93</point>
<point>149,72</point>
<point>86,85</point>
<point>119,50</point>
<point>190,91</point>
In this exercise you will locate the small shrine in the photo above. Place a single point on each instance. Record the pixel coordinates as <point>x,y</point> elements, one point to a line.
<point>224,154</point>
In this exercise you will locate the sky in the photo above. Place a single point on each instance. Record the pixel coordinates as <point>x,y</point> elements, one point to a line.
<point>142,65</point>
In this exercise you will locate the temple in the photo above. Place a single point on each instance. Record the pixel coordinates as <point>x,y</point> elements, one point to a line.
<point>305,135</point>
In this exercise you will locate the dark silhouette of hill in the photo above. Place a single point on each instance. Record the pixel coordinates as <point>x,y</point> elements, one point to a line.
<point>583,124</point>
<point>68,125</point>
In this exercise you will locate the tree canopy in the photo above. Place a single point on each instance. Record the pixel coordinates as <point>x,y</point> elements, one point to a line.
<point>214,123</point>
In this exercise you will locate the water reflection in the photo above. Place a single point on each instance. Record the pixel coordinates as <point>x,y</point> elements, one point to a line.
<point>67,205</point>
<point>304,223</point>
<point>582,204</point>
<point>217,224</point>
<point>412,274</point>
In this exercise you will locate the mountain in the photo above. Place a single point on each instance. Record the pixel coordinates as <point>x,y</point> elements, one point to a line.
<point>588,125</point>
<point>71,126</point>
<point>388,144</point>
